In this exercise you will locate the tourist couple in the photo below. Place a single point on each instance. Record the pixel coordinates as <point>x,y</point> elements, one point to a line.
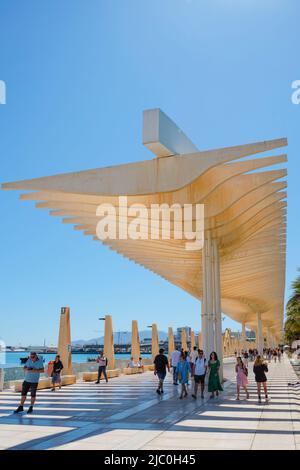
<point>33,368</point>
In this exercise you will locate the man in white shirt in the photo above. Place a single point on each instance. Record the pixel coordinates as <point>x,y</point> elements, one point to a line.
<point>194,355</point>
<point>174,363</point>
<point>199,373</point>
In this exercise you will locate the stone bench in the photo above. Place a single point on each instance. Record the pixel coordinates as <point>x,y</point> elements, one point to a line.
<point>132,370</point>
<point>149,367</point>
<point>46,382</point>
<point>91,376</point>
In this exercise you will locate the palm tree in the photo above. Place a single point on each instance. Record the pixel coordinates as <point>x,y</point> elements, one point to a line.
<point>292,324</point>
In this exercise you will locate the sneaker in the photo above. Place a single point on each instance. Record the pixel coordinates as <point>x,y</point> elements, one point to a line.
<point>52,389</point>
<point>97,382</point>
<point>194,396</point>
<point>30,409</point>
<point>158,391</point>
<point>19,409</point>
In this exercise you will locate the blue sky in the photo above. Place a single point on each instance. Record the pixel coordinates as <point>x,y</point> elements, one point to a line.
<point>78,76</point>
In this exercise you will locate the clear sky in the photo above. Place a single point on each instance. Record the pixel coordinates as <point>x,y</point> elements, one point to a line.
<point>78,76</point>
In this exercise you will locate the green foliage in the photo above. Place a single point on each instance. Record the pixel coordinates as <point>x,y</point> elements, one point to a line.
<point>292,324</point>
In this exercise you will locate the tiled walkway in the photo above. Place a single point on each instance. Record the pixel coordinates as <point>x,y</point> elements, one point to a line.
<point>126,414</point>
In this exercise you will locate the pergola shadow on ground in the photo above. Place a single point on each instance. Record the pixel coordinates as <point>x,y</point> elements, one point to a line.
<point>127,414</point>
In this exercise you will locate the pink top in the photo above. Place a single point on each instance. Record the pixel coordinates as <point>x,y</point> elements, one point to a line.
<point>241,377</point>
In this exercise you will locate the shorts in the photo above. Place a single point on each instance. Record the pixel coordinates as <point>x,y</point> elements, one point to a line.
<point>199,379</point>
<point>26,386</point>
<point>161,375</point>
<point>56,379</point>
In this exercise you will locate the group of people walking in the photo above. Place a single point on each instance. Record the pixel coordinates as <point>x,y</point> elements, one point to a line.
<point>185,365</point>
<point>195,366</point>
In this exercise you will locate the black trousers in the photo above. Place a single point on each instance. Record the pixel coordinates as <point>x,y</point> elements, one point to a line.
<point>100,370</point>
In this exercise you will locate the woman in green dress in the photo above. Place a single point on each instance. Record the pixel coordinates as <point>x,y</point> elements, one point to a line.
<point>214,384</point>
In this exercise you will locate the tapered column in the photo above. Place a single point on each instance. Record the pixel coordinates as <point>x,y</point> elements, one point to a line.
<point>244,338</point>
<point>171,345</point>
<point>217,305</point>
<point>155,346</point>
<point>135,342</point>
<point>109,342</point>
<point>200,340</point>
<point>259,338</point>
<point>64,341</point>
<point>207,301</point>
<point>183,340</point>
<point>193,342</point>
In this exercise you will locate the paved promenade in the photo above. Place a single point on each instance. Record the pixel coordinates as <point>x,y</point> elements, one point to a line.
<point>127,414</point>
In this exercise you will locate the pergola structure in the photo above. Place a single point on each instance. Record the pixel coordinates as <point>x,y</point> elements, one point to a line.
<point>241,269</point>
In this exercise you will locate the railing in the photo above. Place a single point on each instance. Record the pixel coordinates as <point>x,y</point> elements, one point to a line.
<point>9,375</point>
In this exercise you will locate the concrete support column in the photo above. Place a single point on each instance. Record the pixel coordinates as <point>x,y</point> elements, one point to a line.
<point>171,345</point>
<point>244,338</point>
<point>193,342</point>
<point>64,341</point>
<point>135,341</point>
<point>109,342</point>
<point>183,340</point>
<point>217,305</point>
<point>155,347</point>
<point>207,301</point>
<point>200,340</point>
<point>259,335</point>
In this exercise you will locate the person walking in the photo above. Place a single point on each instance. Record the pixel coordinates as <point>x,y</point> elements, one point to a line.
<point>193,357</point>
<point>214,384</point>
<point>199,373</point>
<point>161,363</point>
<point>241,377</point>
<point>102,361</point>
<point>34,366</point>
<point>246,358</point>
<point>279,355</point>
<point>174,363</point>
<point>183,374</point>
<point>275,355</point>
<point>260,368</point>
<point>57,368</point>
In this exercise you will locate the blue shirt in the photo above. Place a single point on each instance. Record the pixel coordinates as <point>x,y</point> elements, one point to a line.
<point>33,377</point>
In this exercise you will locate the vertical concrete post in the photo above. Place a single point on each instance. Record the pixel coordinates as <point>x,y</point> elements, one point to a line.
<point>259,339</point>
<point>207,301</point>
<point>217,304</point>
<point>135,341</point>
<point>193,342</point>
<point>64,341</point>
<point>183,340</point>
<point>171,345</point>
<point>109,342</point>
<point>200,340</point>
<point>244,339</point>
<point>155,346</point>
